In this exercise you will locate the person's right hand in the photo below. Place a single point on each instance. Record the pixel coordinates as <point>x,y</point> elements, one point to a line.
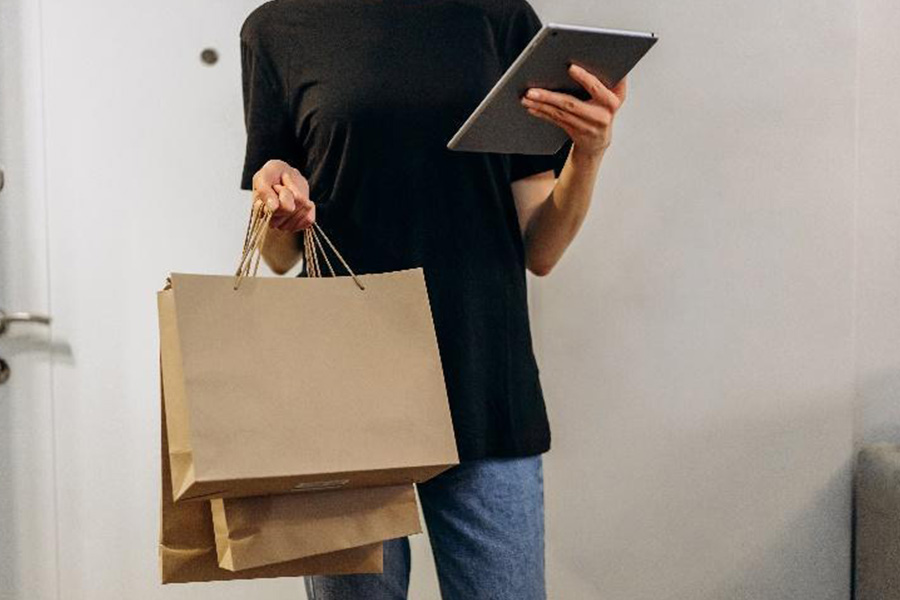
<point>286,192</point>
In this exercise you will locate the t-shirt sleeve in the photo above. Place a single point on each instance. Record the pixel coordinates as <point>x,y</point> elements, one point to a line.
<point>522,25</point>
<point>265,107</point>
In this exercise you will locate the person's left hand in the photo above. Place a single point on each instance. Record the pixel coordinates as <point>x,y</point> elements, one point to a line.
<point>588,122</point>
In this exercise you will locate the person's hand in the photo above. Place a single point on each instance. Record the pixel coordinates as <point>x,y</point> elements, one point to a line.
<point>286,192</point>
<point>588,122</point>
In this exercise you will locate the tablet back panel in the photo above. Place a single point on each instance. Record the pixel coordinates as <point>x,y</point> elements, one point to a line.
<point>501,124</point>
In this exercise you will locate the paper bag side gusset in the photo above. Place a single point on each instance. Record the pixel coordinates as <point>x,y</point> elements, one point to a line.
<point>177,413</point>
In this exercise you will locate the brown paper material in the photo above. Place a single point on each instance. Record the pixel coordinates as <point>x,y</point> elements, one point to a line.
<point>187,548</point>
<point>289,383</point>
<point>252,532</point>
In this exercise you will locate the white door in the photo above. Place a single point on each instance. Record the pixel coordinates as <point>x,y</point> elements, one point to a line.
<point>27,491</point>
<point>121,151</point>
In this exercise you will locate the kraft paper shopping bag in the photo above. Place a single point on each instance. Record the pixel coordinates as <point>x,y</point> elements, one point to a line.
<point>251,532</point>
<point>302,383</point>
<point>187,547</point>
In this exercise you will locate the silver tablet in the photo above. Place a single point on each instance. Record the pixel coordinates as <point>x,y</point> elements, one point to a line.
<point>501,124</point>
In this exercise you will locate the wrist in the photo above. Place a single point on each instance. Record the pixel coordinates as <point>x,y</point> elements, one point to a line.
<point>587,158</point>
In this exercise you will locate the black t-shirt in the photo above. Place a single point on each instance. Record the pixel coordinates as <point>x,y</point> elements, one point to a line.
<point>362,96</point>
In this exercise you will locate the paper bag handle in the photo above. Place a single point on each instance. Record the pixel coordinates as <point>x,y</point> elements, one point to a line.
<point>255,239</point>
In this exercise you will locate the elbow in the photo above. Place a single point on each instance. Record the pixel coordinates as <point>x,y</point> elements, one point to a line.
<point>278,267</point>
<point>539,259</point>
<point>540,269</point>
<point>538,262</point>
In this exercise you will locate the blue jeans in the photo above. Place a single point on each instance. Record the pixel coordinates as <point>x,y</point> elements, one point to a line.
<point>485,520</point>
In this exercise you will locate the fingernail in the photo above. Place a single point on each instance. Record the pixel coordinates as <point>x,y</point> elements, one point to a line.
<point>575,67</point>
<point>533,94</point>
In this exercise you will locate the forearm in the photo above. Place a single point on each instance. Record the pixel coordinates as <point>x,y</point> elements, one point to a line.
<point>280,250</point>
<point>555,222</point>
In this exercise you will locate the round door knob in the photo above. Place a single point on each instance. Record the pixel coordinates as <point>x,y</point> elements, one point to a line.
<point>4,371</point>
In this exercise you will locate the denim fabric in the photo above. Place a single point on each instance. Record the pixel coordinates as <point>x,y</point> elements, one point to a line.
<point>485,519</point>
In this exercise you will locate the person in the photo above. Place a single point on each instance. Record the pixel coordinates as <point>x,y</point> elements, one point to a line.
<point>348,106</point>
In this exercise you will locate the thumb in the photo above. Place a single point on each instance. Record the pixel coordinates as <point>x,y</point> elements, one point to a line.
<point>620,89</point>
<point>285,198</point>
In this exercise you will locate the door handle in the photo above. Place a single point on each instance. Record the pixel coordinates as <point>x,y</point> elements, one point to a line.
<point>21,317</point>
<point>17,317</point>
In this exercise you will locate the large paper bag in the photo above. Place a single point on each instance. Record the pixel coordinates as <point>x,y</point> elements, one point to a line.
<point>252,532</point>
<point>301,383</point>
<point>187,548</point>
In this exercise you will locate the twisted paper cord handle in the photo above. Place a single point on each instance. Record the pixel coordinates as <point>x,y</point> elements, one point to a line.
<point>255,239</point>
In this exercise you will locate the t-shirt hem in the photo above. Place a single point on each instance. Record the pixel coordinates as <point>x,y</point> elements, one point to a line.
<point>504,452</point>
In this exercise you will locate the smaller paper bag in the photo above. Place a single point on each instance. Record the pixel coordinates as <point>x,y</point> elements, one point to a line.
<point>256,531</point>
<point>187,547</point>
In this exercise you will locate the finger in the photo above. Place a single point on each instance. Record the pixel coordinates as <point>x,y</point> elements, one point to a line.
<point>567,120</point>
<point>301,217</point>
<point>304,207</point>
<point>552,120</point>
<point>594,86</point>
<point>264,178</point>
<point>303,204</point>
<point>620,90</point>
<point>263,190</point>
<point>268,197</point>
<point>298,222</point>
<point>284,223</point>
<point>307,219</point>
<point>563,101</point>
<point>294,181</point>
<point>289,223</point>
<point>279,218</point>
<point>285,200</point>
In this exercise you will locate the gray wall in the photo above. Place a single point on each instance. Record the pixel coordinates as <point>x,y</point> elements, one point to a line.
<point>878,275</point>
<point>697,341</point>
